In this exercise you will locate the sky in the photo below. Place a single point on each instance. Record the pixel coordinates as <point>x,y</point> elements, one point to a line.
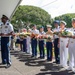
<point>53,7</point>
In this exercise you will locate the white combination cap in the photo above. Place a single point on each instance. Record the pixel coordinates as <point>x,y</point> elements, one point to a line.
<point>49,26</point>
<point>63,22</point>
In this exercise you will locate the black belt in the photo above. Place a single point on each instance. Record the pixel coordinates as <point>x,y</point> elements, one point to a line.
<point>56,38</point>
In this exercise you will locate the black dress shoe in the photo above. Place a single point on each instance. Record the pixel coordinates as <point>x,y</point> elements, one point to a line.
<point>32,56</point>
<point>54,62</point>
<point>8,65</point>
<point>57,62</point>
<point>42,57</point>
<point>49,60</point>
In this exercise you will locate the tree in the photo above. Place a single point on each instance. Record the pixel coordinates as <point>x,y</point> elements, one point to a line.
<point>67,18</point>
<point>28,15</point>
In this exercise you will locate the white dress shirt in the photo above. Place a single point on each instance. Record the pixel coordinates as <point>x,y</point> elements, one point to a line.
<point>6,28</point>
<point>35,31</point>
<point>56,30</point>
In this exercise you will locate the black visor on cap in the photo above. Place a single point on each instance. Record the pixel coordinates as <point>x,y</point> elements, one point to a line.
<point>4,16</point>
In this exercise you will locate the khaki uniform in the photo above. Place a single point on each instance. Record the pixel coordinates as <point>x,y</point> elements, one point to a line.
<point>49,46</point>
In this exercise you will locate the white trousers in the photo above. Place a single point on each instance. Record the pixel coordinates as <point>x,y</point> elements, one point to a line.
<point>72,53</point>
<point>63,51</point>
<point>28,48</point>
<point>28,44</point>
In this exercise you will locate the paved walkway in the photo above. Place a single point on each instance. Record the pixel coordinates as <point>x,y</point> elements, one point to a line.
<point>23,64</point>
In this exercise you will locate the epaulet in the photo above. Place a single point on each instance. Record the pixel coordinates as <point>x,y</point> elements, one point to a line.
<point>7,23</point>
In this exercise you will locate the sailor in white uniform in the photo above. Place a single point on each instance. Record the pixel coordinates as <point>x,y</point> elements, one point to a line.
<point>63,49</point>
<point>71,47</point>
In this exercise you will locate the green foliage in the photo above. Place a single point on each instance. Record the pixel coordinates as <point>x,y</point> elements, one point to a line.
<point>67,18</point>
<point>26,16</point>
<point>29,15</point>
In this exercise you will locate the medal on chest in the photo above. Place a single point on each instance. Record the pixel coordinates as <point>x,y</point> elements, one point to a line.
<point>6,26</point>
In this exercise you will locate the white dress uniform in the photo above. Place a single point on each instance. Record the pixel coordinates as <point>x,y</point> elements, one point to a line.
<point>72,50</point>
<point>5,51</point>
<point>28,44</point>
<point>7,28</point>
<point>63,51</point>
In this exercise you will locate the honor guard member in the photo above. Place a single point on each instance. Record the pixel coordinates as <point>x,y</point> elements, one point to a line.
<point>63,48</point>
<point>6,32</point>
<point>71,47</point>
<point>41,43</point>
<point>49,42</point>
<point>56,41</point>
<point>34,41</point>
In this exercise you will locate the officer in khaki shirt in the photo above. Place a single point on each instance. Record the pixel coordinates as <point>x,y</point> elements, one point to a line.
<point>63,42</point>
<point>41,43</point>
<point>49,44</point>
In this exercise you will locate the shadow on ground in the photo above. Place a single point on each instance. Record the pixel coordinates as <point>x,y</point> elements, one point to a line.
<point>49,68</point>
<point>2,66</point>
